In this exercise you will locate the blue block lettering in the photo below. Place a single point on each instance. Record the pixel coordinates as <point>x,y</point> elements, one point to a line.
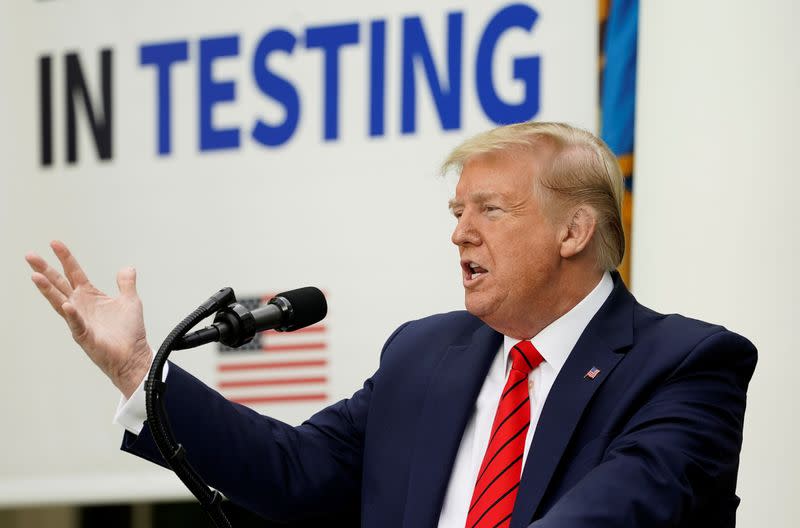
<point>377,76</point>
<point>213,92</point>
<point>447,100</point>
<point>277,88</point>
<point>163,56</point>
<point>330,39</point>
<point>526,69</point>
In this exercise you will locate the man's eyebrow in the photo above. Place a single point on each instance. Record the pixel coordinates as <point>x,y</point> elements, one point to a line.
<point>484,196</point>
<point>478,197</point>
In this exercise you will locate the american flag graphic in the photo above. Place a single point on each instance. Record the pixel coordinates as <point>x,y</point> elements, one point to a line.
<point>592,374</point>
<point>275,367</point>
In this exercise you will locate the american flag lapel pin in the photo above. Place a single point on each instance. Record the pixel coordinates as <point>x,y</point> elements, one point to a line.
<point>592,374</point>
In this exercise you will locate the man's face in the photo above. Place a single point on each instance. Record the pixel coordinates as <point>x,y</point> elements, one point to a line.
<point>509,248</point>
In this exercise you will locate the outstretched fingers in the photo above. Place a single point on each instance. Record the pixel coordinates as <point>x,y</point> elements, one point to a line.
<point>72,269</point>
<point>39,265</point>
<point>53,295</point>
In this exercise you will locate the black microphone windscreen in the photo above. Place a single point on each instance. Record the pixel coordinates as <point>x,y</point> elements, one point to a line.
<point>308,306</point>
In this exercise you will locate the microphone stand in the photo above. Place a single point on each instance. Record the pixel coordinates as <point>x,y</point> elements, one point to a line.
<point>174,454</point>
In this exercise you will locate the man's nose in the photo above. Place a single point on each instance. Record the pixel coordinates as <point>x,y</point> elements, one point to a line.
<point>465,232</point>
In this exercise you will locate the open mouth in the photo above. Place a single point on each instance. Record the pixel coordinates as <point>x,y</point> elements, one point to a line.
<point>472,270</point>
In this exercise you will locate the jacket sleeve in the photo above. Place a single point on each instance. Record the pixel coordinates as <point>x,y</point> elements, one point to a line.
<point>265,465</point>
<point>674,449</point>
<point>281,472</point>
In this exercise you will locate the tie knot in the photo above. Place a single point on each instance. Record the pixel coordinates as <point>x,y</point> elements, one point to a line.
<point>525,357</point>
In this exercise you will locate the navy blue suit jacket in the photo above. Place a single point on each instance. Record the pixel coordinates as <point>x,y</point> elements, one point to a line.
<point>651,441</point>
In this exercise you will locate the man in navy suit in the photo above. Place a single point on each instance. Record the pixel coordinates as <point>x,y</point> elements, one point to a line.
<point>555,400</point>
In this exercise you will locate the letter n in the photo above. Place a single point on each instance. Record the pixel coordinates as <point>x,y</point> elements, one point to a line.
<point>77,93</point>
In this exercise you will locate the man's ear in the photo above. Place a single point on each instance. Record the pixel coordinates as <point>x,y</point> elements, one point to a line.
<point>578,231</point>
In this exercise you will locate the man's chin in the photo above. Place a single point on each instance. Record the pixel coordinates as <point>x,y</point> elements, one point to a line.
<point>488,309</point>
<point>476,305</point>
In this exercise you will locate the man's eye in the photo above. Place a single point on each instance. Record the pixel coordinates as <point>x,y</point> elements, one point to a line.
<point>491,208</point>
<point>457,214</point>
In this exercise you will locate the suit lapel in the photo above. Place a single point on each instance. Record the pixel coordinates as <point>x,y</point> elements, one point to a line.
<point>448,406</point>
<point>600,346</point>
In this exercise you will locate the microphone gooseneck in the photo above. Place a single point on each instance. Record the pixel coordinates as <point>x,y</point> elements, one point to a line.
<point>233,325</point>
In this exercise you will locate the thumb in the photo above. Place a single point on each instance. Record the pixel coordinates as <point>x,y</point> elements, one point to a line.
<point>126,281</point>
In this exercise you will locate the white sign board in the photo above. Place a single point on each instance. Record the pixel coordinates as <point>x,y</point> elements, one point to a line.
<point>260,146</point>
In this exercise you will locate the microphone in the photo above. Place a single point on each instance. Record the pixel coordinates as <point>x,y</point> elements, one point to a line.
<point>235,325</point>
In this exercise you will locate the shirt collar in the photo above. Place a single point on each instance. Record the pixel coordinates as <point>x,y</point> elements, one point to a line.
<point>557,340</point>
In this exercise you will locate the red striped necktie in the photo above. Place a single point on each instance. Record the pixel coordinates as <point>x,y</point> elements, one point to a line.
<point>498,477</point>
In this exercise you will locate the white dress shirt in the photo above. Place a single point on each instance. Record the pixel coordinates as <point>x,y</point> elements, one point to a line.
<point>554,343</point>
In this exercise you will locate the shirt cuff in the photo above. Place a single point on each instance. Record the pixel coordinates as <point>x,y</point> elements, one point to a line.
<point>131,412</point>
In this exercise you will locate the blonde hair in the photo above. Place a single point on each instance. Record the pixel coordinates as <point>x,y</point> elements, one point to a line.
<point>578,168</point>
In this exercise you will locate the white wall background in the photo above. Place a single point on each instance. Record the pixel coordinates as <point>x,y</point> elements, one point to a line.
<point>716,231</point>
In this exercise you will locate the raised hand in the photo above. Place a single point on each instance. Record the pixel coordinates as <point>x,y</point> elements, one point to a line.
<point>109,329</point>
